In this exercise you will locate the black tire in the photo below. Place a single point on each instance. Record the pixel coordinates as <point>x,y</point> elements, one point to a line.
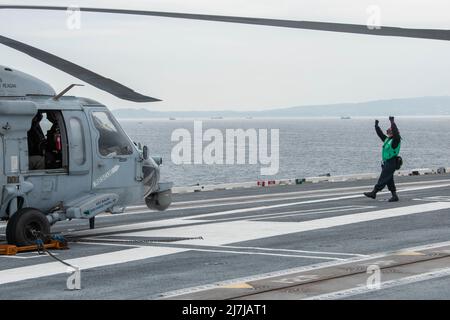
<point>20,225</point>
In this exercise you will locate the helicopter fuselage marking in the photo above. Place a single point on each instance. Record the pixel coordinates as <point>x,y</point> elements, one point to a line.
<point>9,85</point>
<point>106,175</point>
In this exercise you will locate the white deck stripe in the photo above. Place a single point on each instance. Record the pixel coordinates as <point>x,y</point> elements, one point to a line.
<point>215,234</point>
<point>287,272</point>
<point>144,225</point>
<point>299,251</point>
<point>236,231</point>
<point>100,260</point>
<point>230,231</point>
<point>283,194</point>
<point>184,221</point>
<point>281,205</point>
<point>272,196</point>
<point>266,254</point>
<point>384,285</point>
<point>296,213</point>
<point>92,241</point>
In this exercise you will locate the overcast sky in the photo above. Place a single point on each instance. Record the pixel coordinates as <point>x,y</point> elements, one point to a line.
<point>197,65</point>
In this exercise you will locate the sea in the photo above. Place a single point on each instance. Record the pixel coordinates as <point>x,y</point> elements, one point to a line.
<point>307,146</point>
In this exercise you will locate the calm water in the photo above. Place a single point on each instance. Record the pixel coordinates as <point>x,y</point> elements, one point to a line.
<point>308,147</point>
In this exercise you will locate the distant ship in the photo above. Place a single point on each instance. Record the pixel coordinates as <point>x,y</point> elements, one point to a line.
<point>216,118</point>
<point>345,118</point>
<point>171,118</point>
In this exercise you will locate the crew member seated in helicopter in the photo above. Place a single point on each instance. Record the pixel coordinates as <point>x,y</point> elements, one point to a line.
<point>53,147</point>
<point>36,144</point>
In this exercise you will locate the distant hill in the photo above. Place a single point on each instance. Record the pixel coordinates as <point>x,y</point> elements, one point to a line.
<point>145,113</point>
<point>422,106</point>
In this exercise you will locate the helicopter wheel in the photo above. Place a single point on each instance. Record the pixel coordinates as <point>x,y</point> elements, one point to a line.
<point>26,226</point>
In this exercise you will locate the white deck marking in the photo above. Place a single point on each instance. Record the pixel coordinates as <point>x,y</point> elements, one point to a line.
<point>290,193</point>
<point>435,198</point>
<point>87,241</point>
<point>239,203</point>
<point>281,252</point>
<point>236,231</point>
<point>299,213</point>
<point>296,214</point>
<point>362,289</point>
<point>287,272</point>
<point>272,197</point>
<point>266,254</point>
<point>299,251</point>
<point>185,220</point>
<point>214,234</point>
<point>159,223</point>
<point>100,260</point>
<point>281,205</point>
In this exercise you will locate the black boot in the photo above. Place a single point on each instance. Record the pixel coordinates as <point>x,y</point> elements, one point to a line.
<point>394,197</point>
<point>372,194</point>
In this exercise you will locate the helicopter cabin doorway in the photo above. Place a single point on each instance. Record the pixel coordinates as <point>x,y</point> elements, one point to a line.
<point>47,142</point>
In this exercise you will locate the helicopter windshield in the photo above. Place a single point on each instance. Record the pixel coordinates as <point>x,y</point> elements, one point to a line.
<point>112,140</point>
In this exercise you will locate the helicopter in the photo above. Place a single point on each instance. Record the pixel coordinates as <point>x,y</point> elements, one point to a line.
<point>86,164</point>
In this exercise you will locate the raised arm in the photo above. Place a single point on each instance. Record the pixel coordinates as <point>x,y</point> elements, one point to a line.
<point>379,131</point>
<point>395,133</point>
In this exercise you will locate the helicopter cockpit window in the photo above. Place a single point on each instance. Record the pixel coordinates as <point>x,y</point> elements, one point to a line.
<point>45,141</point>
<point>112,140</point>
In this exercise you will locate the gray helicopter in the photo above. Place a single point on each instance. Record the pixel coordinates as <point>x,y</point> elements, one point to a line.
<point>66,158</point>
<point>85,164</point>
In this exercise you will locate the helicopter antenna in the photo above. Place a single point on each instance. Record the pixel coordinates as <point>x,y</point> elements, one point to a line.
<point>59,95</point>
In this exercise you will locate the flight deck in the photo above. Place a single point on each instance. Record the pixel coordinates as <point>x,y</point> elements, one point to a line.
<point>306,241</point>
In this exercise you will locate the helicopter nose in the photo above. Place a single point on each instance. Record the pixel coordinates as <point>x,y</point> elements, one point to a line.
<point>151,174</point>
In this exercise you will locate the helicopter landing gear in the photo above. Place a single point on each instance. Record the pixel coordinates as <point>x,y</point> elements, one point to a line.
<point>26,226</point>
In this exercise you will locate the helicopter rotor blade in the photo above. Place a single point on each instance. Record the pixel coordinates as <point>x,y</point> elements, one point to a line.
<point>435,34</point>
<point>126,93</point>
<point>77,71</point>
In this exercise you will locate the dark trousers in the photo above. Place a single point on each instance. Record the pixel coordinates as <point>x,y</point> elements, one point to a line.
<point>387,176</point>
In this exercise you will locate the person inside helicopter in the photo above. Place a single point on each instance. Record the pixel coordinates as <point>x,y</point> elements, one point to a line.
<point>53,154</point>
<point>36,144</point>
<point>45,151</point>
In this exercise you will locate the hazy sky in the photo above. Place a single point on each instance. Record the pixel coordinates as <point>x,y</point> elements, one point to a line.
<point>197,65</point>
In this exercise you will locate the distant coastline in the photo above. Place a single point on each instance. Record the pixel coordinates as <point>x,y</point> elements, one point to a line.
<point>421,106</point>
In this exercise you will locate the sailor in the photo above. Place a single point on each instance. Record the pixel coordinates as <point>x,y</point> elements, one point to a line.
<point>36,144</point>
<point>53,154</point>
<point>390,152</point>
